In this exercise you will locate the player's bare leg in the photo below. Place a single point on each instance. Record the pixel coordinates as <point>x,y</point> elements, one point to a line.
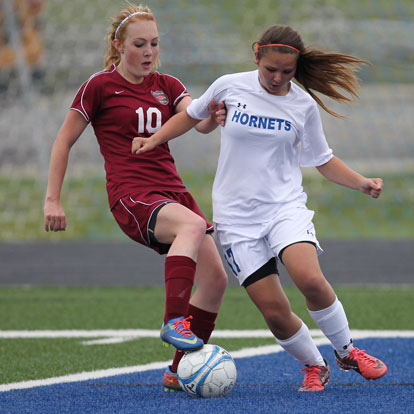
<point>210,278</point>
<point>307,275</point>
<point>211,282</point>
<point>185,232</point>
<point>327,311</point>
<point>268,295</point>
<point>289,330</point>
<point>182,228</point>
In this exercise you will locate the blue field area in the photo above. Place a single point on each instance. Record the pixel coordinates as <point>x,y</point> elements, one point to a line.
<point>265,384</point>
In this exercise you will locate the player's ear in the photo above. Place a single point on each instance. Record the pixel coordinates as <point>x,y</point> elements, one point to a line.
<point>117,45</point>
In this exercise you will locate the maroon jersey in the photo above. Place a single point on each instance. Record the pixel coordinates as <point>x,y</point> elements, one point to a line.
<point>119,111</point>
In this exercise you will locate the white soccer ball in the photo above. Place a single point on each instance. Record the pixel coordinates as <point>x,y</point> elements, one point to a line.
<point>208,372</point>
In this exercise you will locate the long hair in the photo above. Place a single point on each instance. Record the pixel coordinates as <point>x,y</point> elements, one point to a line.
<point>316,71</point>
<point>118,28</point>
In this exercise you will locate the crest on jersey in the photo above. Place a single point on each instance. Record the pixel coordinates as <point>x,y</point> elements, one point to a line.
<point>160,96</point>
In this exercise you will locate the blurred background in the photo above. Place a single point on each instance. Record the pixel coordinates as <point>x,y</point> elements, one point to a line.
<point>49,48</point>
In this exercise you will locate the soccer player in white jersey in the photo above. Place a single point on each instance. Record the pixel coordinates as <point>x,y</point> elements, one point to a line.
<point>273,128</point>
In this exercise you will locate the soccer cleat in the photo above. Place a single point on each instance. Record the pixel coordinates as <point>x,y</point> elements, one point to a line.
<point>170,381</point>
<point>366,365</point>
<point>315,377</point>
<point>177,332</point>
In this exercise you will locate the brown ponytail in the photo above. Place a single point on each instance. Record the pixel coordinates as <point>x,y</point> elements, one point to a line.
<point>316,71</point>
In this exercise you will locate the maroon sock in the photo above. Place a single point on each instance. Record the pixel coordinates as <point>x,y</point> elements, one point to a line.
<point>202,325</point>
<point>179,280</point>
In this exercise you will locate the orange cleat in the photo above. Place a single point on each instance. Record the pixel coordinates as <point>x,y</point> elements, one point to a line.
<point>315,377</point>
<point>170,381</point>
<point>369,367</point>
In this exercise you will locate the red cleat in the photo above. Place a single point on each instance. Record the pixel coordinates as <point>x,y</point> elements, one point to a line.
<point>368,366</point>
<point>170,381</point>
<point>315,377</point>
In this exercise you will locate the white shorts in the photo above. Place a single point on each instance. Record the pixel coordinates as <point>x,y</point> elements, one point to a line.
<point>248,247</point>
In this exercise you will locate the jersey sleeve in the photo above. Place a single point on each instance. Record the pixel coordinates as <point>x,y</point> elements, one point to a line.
<point>88,99</point>
<point>314,149</point>
<point>198,109</point>
<point>177,89</point>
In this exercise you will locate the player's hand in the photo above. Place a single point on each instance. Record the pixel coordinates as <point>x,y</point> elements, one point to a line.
<point>54,216</point>
<point>141,145</point>
<point>218,112</point>
<point>372,187</point>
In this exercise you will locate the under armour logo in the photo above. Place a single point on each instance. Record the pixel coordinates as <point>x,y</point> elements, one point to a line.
<point>239,105</point>
<point>350,343</point>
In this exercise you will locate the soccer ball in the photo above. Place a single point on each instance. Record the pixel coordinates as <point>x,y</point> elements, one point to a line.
<point>208,372</point>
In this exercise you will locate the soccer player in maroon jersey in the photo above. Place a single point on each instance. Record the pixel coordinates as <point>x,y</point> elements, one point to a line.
<point>146,194</point>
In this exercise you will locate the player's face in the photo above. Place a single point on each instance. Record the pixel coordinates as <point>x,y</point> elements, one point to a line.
<point>140,50</point>
<point>276,71</point>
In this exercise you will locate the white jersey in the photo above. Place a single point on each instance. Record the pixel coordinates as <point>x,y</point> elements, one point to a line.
<point>265,141</point>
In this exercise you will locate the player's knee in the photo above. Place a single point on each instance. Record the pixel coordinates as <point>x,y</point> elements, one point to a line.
<point>221,279</point>
<point>312,286</point>
<point>276,314</point>
<point>195,229</point>
<point>217,278</point>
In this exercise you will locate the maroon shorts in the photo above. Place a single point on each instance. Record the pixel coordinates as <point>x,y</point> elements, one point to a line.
<point>136,214</point>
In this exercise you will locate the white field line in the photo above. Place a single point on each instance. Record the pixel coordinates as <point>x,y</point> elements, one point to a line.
<point>112,336</point>
<point>150,333</point>
<point>243,353</point>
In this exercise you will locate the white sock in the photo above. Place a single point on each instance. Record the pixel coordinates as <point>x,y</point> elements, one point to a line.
<point>302,347</point>
<point>334,324</point>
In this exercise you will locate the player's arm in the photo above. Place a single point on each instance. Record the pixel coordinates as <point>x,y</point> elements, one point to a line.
<point>217,115</point>
<point>72,128</point>
<point>181,123</point>
<point>338,172</point>
<point>177,125</point>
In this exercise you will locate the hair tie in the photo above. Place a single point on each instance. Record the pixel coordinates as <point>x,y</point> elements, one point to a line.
<point>277,44</point>
<point>126,19</point>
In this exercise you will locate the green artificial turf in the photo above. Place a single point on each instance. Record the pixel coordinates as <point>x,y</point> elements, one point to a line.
<point>83,308</point>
